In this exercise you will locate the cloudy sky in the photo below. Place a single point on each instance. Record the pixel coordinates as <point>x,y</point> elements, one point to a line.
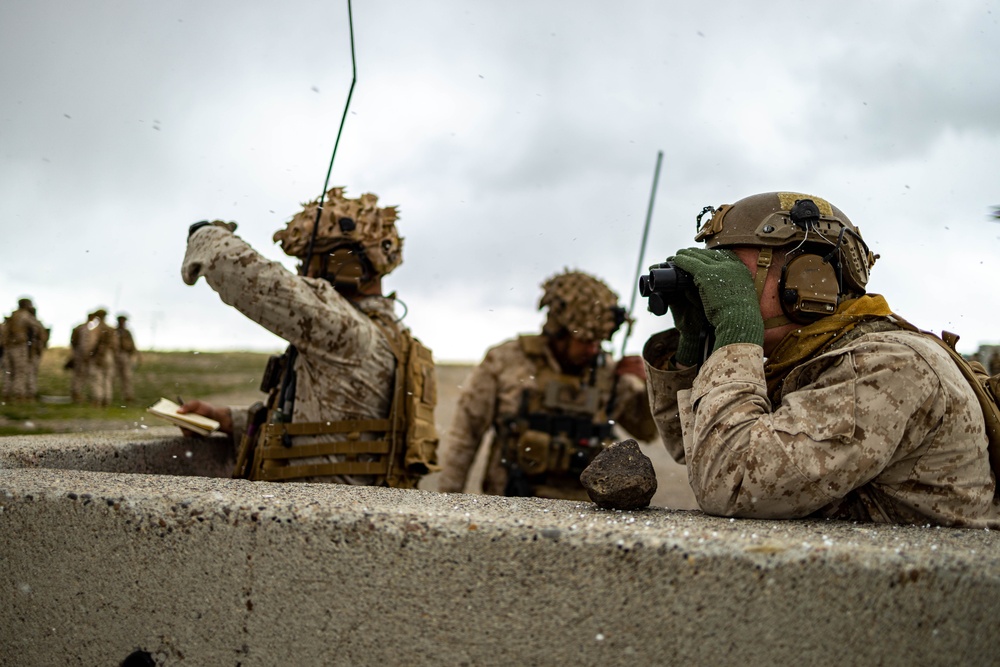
<point>517,137</point>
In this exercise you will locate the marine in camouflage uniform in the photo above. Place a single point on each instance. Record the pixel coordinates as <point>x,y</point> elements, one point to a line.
<point>548,401</point>
<point>81,345</point>
<point>35,353</point>
<point>126,356</point>
<point>815,399</point>
<point>341,326</point>
<point>22,336</point>
<point>100,362</point>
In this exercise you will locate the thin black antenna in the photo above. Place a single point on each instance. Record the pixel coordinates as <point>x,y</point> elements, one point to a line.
<point>329,170</point>
<point>286,396</point>
<point>642,248</point>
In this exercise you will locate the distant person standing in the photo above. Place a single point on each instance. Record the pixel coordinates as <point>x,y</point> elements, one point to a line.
<point>35,355</point>
<point>126,356</point>
<point>21,332</point>
<point>101,365</point>
<point>80,344</point>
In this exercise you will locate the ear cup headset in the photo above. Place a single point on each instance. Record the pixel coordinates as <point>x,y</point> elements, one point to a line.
<point>827,260</point>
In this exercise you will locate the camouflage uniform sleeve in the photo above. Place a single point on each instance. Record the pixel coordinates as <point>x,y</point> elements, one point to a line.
<point>664,386</point>
<point>632,409</point>
<point>306,312</point>
<point>835,431</point>
<point>474,415</point>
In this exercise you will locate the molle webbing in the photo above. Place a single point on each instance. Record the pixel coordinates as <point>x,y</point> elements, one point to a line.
<point>272,449</point>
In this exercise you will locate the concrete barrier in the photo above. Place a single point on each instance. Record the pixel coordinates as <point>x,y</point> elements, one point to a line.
<point>100,559</point>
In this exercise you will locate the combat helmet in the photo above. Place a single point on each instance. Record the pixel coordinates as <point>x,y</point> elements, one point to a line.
<point>778,219</point>
<point>581,304</point>
<point>348,228</point>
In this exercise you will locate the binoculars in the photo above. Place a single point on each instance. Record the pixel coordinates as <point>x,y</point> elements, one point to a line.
<point>661,284</point>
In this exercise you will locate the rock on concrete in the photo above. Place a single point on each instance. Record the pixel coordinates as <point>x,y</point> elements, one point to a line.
<point>620,478</point>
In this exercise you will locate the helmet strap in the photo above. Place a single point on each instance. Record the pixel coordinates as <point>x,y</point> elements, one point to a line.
<point>778,321</point>
<point>763,264</point>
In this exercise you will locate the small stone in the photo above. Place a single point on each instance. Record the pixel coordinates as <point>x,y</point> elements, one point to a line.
<point>621,477</point>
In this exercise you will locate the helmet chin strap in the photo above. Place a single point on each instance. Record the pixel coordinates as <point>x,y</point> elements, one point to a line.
<point>764,259</point>
<point>778,321</point>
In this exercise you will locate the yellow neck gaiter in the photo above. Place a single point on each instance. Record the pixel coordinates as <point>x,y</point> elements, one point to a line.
<point>810,340</point>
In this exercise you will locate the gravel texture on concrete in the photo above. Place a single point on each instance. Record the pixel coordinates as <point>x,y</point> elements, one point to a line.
<point>95,565</point>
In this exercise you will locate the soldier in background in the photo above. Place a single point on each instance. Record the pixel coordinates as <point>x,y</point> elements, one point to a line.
<point>101,361</point>
<point>21,333</point>
<point>80,345</point>
<point>126,356</point>
<point>35,354</point>
<point>354,380</point>
<point>550,399</point>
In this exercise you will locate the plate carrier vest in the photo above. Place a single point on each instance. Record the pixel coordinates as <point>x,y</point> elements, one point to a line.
<point>562,423</point>
<point>404,450</point>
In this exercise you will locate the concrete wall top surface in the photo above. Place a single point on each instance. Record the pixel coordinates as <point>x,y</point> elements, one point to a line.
<point>98,563</point>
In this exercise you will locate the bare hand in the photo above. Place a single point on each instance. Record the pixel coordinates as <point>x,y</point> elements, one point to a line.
<point>631,365</point>
<point>222,415</point>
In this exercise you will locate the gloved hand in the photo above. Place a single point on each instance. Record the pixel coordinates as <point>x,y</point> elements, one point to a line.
<point>692,325</point>
<point>231,226</point>
<point>727,293</point>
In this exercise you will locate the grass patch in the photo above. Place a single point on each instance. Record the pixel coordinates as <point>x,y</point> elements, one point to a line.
<point>169,374</point>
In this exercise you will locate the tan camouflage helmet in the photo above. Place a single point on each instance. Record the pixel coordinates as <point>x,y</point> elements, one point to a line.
<point>346,222</point>
<point>778,219</point>
<point>582,305</point>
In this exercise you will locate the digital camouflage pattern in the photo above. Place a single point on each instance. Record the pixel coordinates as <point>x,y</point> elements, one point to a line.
<point>493,394</point>
<point>345,365</point>
<point>884,428</point>
<point>581,304</point>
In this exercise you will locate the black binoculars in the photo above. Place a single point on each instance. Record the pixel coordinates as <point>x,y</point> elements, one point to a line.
<point>661,284</point>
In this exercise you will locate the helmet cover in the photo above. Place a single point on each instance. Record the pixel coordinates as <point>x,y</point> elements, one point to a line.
<point>582,305</point>
<point>346,222</point>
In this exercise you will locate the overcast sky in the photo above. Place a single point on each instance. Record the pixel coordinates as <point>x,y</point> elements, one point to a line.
<point>518,138</point>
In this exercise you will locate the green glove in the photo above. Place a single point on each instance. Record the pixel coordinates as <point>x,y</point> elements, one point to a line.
<point>728,294</point>
<point>692,325</point>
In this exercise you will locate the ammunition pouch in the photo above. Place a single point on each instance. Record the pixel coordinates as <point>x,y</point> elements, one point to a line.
<point>543,444</point>
<point>272,372</point>
<point>256,417</point>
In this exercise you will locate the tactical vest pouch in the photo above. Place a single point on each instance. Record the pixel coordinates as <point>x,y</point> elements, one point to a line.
<point>533,452</point>
<point>420,399</point>
<point>272,372</point>
<point>256,416</point>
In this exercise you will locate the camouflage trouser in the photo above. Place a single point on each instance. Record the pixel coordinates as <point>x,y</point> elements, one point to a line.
<point>36,362</point>
<point>17,372</point>
<point>81,377</point>
<point>123,373</point>
<point>101,377</point>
